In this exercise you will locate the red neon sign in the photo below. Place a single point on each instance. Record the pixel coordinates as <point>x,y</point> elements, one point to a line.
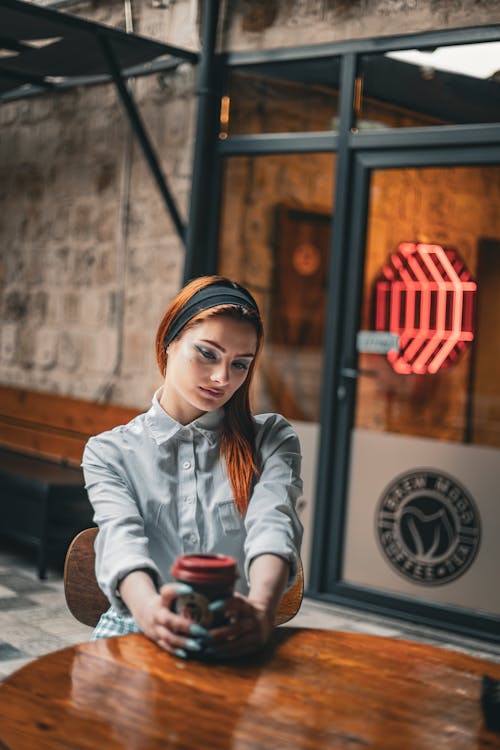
<point>426,295</point>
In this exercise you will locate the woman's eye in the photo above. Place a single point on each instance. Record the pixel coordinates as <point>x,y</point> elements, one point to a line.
<point>206,353</point>
<point>240,365</point>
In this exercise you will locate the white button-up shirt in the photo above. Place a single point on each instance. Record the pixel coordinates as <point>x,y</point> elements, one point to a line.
<point>159,490</point>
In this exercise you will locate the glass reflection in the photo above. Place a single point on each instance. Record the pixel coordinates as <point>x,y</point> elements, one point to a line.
<point>275,236</point>
<point>453,85</point>
<point>453,208</point>
<point>282,97</point>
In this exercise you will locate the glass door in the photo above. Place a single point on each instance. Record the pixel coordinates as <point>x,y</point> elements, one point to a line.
<point>275,228</point>
<point>421,381</point>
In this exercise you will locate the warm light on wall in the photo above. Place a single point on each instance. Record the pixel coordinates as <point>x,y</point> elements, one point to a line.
<point>426,295</point>
<point>225,104</point>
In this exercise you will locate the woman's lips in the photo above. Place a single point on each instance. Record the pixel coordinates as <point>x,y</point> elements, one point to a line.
<point>212,392</point>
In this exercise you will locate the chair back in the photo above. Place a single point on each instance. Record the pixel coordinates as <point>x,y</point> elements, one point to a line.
<point>84,598</point>
<point>291,600</point>
<point>87,603</point>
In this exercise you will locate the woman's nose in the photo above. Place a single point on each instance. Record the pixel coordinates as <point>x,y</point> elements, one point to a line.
<point>220,374</point>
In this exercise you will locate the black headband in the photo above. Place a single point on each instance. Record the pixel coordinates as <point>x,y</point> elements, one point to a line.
<point>211,296</point>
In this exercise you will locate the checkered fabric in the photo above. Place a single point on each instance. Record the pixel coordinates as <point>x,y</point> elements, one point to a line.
<point>111,624</point>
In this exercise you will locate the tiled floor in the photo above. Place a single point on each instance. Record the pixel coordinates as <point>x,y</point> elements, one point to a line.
<point>34,619</point>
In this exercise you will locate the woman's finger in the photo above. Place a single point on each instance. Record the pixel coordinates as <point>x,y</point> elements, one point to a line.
<point>172,641</point>
<point>170,591</point>
<point>168,617</point>
<point>244,636</point>
<point>233,609</point>
<point>236,629</point>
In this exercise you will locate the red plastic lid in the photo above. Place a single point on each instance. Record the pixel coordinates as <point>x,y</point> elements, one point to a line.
<point>205,569</point>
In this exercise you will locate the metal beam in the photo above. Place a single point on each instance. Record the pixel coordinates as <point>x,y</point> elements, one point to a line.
<point>144,69</point>
<point>369,46</point>
<point>142,136</point>
<point>278,143</point>
<point>55,4</point>
<point>328,507</point>
<point>204,147</point>
<point>24,78</point>
<point>71,21</point>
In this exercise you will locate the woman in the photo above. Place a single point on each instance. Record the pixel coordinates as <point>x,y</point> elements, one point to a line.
<point>197,473</point>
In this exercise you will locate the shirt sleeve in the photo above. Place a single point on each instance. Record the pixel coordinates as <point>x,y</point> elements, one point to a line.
<point>271,521</point>
<point>121,544</point>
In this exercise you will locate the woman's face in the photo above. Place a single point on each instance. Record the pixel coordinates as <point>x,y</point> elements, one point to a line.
<point>206,365</point>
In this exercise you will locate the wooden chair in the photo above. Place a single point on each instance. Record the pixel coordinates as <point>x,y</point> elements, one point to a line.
<point>84,598</point>
<point>86,602</point>
<point>291,600</point>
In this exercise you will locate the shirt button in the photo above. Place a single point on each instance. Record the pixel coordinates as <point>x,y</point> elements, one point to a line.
<point>186,465</point>
<point>189,499</point>
<point>193,538</point>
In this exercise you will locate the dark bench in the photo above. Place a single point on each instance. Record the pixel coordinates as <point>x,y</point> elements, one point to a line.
<point>43,501</point>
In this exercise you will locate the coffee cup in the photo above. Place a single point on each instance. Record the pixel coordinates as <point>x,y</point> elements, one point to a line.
<point>211,578</point>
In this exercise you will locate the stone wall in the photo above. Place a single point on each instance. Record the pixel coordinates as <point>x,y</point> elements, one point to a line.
<point>260,24</point>
<point>89,256</point>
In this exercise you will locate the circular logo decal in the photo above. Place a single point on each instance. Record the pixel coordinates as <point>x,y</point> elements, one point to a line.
<point>428,527</point>
<point>194,607</point>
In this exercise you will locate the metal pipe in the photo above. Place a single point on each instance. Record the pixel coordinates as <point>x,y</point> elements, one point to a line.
<point>129,16</point>
<point>105,391</point>
<point>204,147</point>
<point>142,136</point>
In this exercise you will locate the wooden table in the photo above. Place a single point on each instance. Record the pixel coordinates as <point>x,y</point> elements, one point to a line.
<point>309,689</point>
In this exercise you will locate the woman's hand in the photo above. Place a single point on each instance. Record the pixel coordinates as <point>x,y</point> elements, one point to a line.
<point>250,625</point>
<point>153,613</point>
<point>251,619</point>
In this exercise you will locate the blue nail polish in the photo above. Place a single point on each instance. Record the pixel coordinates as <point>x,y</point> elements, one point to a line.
<point>183,588</point>
<point>217,605</point>
<point>198,631</point>
<point>192,645</point>
<point>181,653</point>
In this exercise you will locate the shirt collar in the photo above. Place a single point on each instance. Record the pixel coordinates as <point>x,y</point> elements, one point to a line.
<point>164,427</point>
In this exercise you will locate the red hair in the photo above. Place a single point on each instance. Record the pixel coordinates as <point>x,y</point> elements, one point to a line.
<point>237,445</point>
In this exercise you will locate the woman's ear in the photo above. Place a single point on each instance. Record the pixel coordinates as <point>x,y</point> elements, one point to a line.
<point>170,348</point>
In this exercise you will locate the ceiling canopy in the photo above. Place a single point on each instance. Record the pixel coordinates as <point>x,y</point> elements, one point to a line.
<point>42,49</point>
